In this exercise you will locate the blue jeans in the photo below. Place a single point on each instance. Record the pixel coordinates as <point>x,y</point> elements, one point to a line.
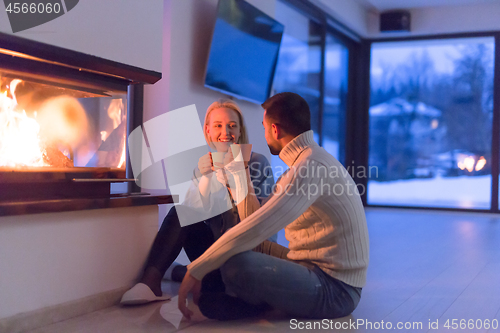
<point>299,288</point>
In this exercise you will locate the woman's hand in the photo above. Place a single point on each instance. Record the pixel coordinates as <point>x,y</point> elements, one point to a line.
<point>221,176</point>
<point>228,157</point>
<point>205,164</point>
<point>189,284</point>
<point>231,165</point>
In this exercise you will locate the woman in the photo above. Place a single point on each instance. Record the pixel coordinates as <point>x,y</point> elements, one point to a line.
<point>223,127</point>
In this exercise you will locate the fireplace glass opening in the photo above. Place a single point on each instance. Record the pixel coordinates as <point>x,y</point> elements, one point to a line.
<point>46,126</point>
<point>64,122</point>
<point>59,140</point>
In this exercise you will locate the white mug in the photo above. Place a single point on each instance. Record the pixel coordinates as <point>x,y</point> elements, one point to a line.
<point>217,157</point>
<point>241,152</point>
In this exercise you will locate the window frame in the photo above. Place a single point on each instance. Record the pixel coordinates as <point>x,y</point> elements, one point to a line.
<point>495,144</point>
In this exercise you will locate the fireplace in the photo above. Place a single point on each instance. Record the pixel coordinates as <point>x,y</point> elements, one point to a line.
<point>70,244</point>
<point>64,121</point>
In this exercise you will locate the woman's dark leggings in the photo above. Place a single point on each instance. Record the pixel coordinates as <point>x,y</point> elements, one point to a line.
<point>171,238</point>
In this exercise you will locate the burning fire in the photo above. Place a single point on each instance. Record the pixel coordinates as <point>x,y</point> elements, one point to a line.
<point>116,113</point>
<point>61,122</point>
<point>58,132</point>
<point>19,134</point>
<point>469,162</point>
<point>112,150</point>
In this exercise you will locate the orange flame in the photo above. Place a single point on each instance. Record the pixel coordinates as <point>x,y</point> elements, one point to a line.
<point>63,121</point>
<point>104,135</point>
<point>23,139</point>
<point>116,113</point>
<point>19,134</point>
<point>60,123</point>
<point>122,158</point>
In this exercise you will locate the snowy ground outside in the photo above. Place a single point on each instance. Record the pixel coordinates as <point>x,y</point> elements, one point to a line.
<point>454,192</point>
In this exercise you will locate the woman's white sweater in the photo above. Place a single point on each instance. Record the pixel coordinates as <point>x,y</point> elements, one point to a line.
<point>317,203</point>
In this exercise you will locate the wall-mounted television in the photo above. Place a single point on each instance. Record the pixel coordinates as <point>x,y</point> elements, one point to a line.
<point>244,51</point>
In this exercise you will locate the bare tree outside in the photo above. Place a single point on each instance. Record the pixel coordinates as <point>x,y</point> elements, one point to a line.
<point>431,112</point>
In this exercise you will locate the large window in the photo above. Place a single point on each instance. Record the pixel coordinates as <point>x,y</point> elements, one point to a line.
<point>431,116</point>
<point>426,140</point>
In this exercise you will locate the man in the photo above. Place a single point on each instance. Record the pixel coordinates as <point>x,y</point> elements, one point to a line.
<point>316,201</point>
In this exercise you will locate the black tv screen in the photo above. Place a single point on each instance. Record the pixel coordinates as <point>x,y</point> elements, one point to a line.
<point>244,51</point>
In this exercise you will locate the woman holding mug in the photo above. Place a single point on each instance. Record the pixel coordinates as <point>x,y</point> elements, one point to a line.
<point>223,126</point>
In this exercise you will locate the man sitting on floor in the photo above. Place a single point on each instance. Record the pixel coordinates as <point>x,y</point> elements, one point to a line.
<point>317,202</point>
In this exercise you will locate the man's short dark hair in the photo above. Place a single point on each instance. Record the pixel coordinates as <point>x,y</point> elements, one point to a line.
<point>290,111</point>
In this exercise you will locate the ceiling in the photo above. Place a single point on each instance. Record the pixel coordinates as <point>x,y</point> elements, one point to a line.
<point>382,5</point>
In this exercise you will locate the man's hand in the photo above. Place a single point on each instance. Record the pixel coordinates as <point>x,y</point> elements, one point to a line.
<point>189,284</point>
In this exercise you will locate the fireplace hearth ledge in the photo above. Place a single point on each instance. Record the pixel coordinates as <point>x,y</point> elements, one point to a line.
<point>75,204</point>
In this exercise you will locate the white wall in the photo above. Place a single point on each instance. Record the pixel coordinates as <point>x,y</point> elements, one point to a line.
<point>53,258</point>
<point>192,23</point>
<point>424,21</point>
<point>187,32</point>
<point>445,20</point>
<point>350,13</point>
<point>127,31</point>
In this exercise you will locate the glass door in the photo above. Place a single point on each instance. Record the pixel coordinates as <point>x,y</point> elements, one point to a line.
<point>431,116</point>
<point>335,98</point>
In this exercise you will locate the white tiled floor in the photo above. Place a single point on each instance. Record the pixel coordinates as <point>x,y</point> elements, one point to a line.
<point>425,266</point>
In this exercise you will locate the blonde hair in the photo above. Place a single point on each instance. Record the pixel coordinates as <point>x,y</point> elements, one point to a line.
<point>229,104</point>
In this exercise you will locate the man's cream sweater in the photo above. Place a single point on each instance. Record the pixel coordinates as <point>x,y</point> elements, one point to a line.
<point>317,203</point>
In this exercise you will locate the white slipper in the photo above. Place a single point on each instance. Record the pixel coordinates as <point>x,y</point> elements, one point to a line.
<point>141,294</point>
